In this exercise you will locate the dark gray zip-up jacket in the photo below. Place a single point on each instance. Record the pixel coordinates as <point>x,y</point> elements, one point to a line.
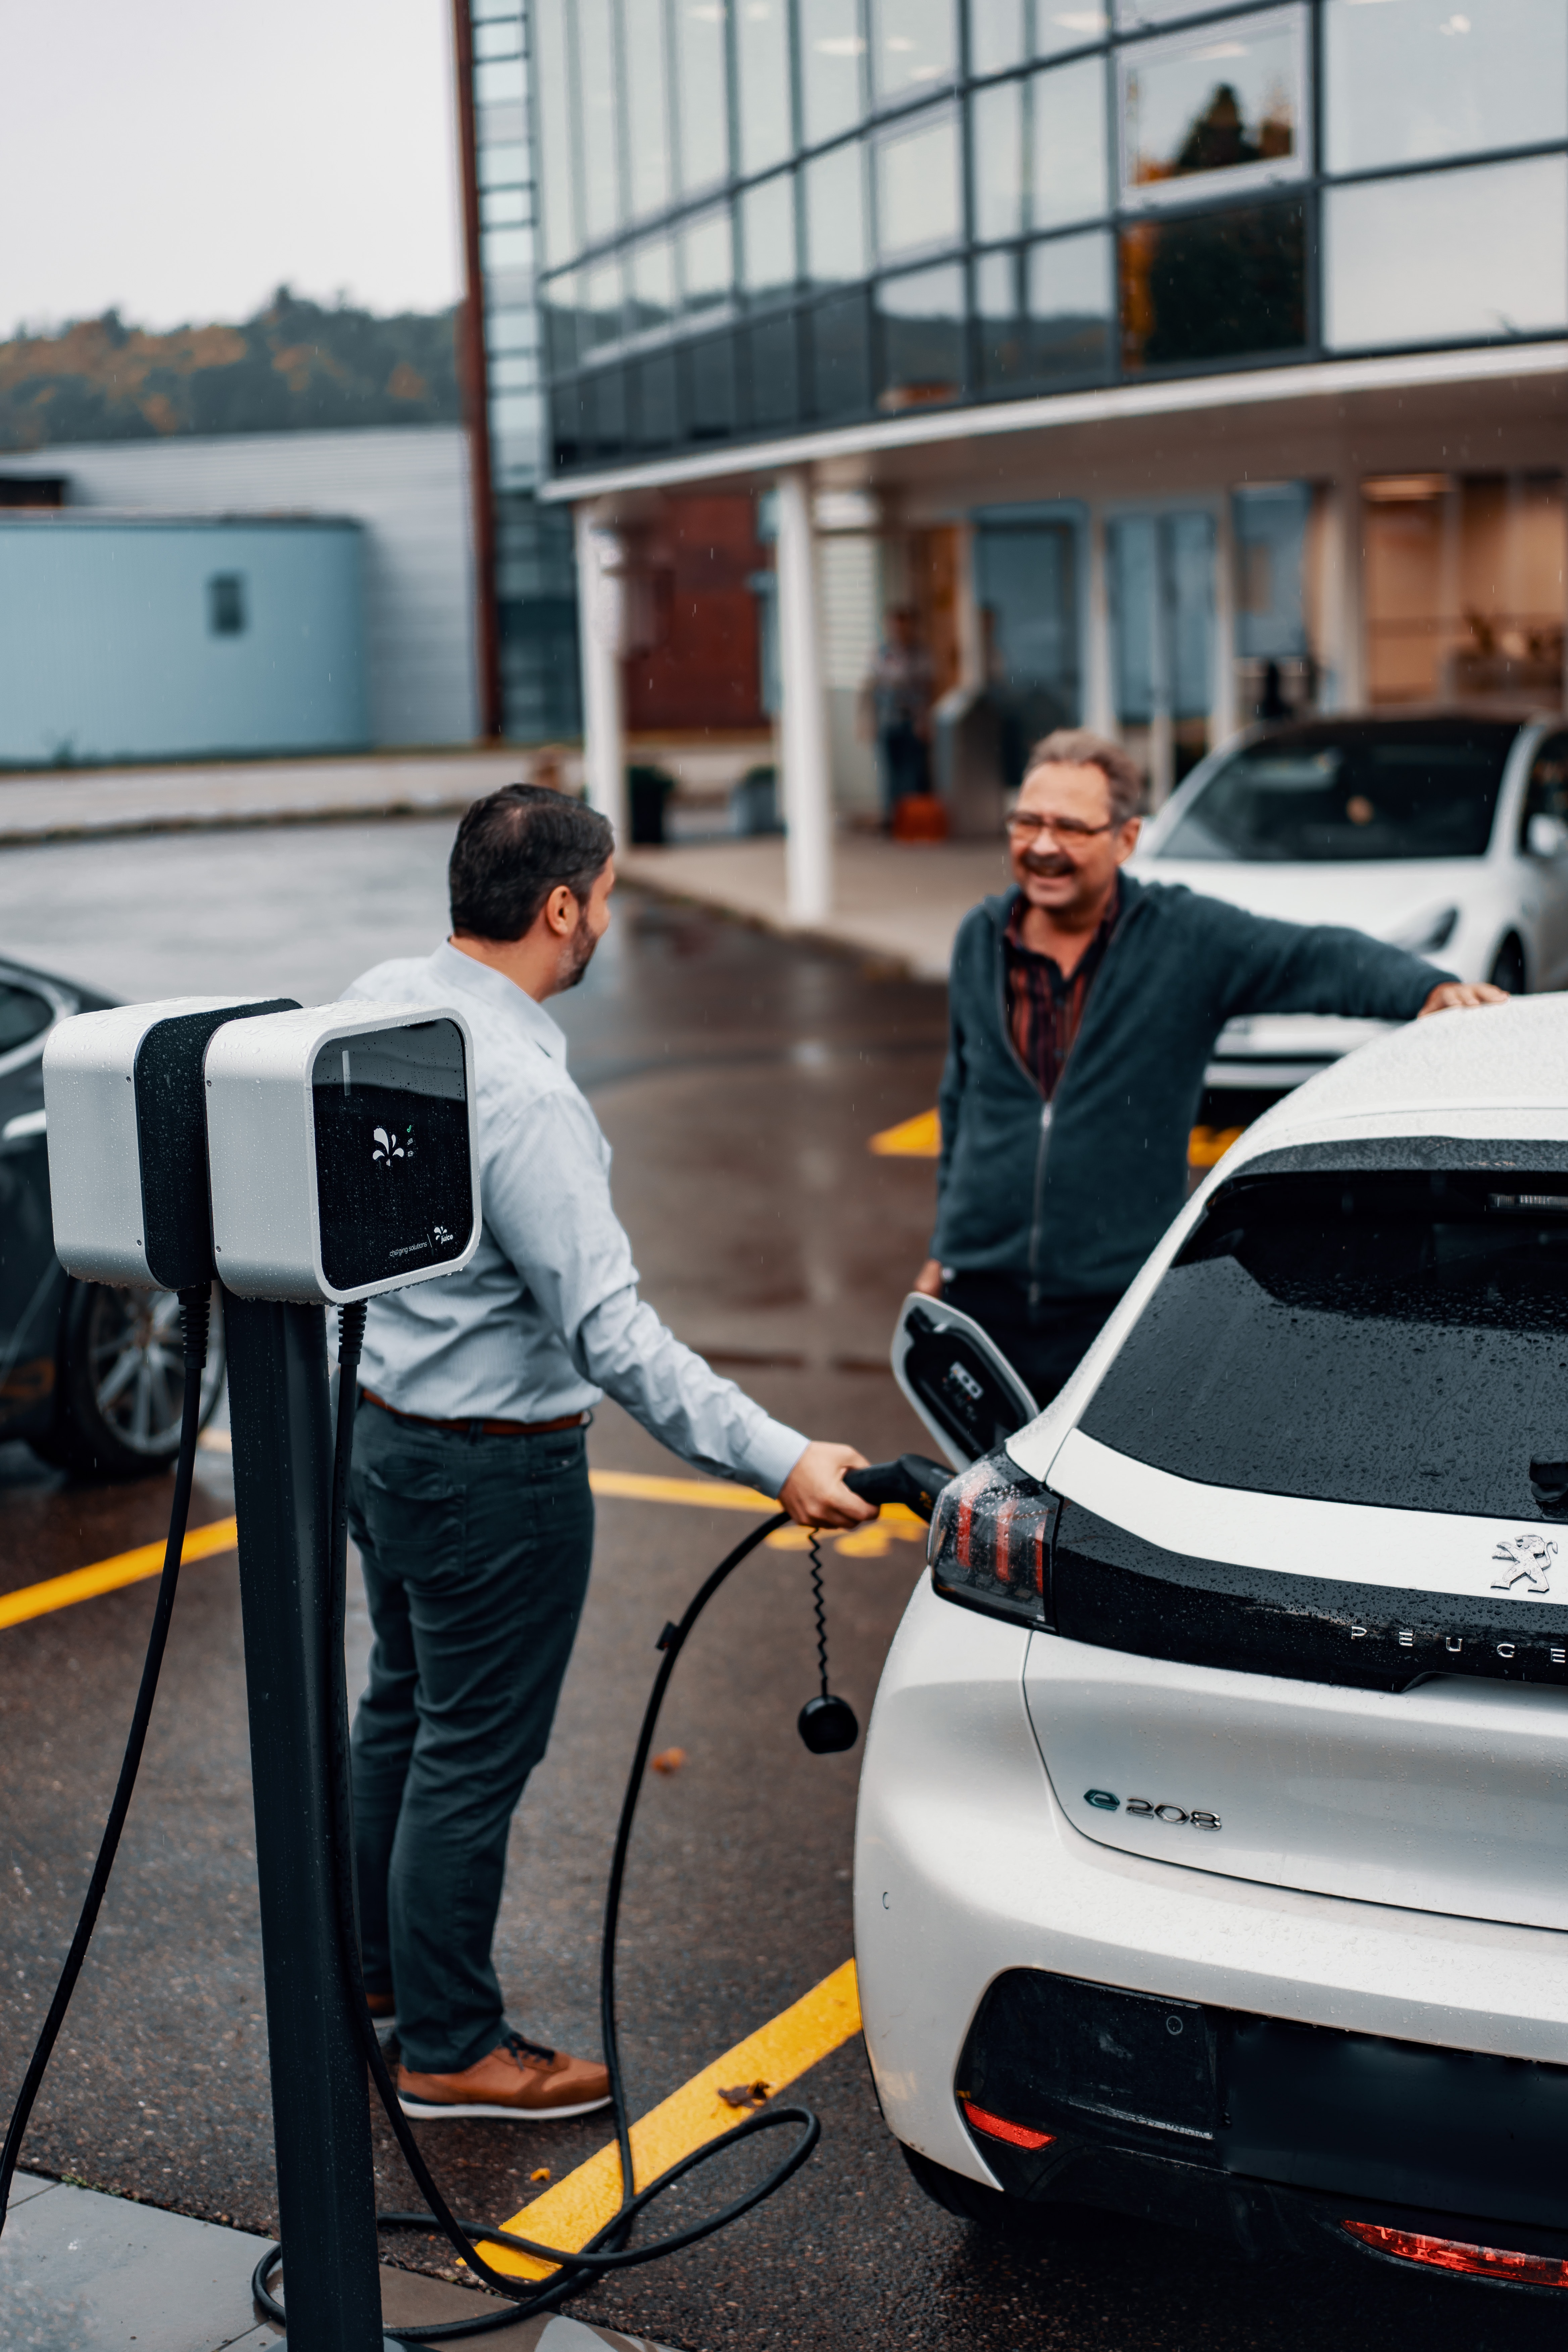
<point>1074,1202</point>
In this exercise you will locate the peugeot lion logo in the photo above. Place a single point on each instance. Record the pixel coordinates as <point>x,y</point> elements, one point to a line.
<point>1526,1557</point>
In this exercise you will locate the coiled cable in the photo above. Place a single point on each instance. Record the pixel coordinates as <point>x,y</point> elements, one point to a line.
<point>195,1310</point>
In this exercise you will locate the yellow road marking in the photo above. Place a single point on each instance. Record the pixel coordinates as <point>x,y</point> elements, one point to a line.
<point>780,2052</point>
<point>897,1522</point>
<point>921,1139</point>
<point>896,1525</point>
<point>109,1575</point>
<point>914,1138</point>
<point>1208,1145</point>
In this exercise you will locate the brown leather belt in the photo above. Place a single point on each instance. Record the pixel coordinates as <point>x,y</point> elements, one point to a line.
<point>484,1428</point>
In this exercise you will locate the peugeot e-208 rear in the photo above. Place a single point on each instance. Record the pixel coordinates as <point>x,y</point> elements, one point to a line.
<point>1212,1861</point>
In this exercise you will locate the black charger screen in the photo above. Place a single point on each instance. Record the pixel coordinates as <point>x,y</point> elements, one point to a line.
<point>394,1183</point>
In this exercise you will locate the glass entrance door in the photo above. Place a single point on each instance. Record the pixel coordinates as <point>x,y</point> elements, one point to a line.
<point>1026,585</point>
<point>1162,577</point>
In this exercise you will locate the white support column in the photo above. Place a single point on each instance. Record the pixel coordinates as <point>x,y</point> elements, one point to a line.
<point>803,717</point>
<point>599,639</point>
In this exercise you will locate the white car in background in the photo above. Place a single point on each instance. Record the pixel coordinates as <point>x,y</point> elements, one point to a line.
<point>1212,1853</point>
<point>1444,833</point>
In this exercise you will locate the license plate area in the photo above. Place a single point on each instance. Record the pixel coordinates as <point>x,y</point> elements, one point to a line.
<point>1081,2055</point>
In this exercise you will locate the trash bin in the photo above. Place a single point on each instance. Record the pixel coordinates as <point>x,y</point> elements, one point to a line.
<point>754,802</point>
<point>647,789</point>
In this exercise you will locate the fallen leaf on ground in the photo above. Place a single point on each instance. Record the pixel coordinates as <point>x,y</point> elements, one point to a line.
<point>542,2173</point>
<point>745,2094</point>
<point>669,1760</point>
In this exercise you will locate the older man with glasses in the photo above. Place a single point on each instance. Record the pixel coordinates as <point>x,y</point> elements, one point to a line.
<point>1084,1008</point>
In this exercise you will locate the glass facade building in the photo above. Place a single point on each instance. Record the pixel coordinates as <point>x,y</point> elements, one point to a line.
<point>531,621</point>
<point>759,217</point>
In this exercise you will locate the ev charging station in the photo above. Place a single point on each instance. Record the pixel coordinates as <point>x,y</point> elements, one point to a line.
<point>303,1157</point>
<point>300,1158</point>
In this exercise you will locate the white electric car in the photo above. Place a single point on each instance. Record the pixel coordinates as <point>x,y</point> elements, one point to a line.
<point>1211,1859</point>
<point>1441,832</point>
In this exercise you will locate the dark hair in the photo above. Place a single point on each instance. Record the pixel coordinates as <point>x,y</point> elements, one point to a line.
<point>512,849</point>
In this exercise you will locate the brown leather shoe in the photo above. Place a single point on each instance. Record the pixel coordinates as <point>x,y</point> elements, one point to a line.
<point>519,2079</point>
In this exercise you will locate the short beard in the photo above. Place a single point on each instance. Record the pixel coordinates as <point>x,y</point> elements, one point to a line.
<point>576,954</point>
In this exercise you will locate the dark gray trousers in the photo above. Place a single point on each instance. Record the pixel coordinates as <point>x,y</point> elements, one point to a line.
<point>475,1553</point>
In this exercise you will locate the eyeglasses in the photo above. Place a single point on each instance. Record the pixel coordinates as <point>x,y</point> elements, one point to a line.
<point>1066,830</point>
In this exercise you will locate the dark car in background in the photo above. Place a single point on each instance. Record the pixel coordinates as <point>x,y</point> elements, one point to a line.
<point>90,1375</point>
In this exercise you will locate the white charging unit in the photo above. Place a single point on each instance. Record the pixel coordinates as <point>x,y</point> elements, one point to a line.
<point>342,1150</point>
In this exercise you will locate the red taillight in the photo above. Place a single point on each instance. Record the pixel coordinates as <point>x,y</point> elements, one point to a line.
<point>1455,2255</point>
<point>998,2128</point>
<point>990,1540</point>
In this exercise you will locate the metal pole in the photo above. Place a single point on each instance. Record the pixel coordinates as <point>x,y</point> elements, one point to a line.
<point>321,2112</point>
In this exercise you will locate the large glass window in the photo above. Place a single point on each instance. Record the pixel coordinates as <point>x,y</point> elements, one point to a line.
<point>1061,25</point>
<point>1410,80</point>
<point>647,106</point>
<point>840,357</point>
<point>559,223</point>
<point>996,33</point>
<point>1071,307</point>
<point>914,47</point>
<point>767,238</point>
<point>836,240</point>
<point>602,321</point>
<point>1448,256</point>
<point>600,128</point>
<point>1218,99</point>
<point>774,371</point>
<point>997,152</point>
<point>706,264</point>
<point>504,165</point>
<point>762,69</point>
<point>652,303</point>
<point>1217,286</point>
<point>702,92</point>
<point>831,68</point>
<point>922,331</point>
<point>561,303</point>
<point>918,200</point>
<point>1069,143</point>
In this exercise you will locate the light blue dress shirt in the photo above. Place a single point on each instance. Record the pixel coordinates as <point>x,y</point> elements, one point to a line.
<point>545,1318</point>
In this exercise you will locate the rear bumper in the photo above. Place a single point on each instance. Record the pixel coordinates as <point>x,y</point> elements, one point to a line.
<point>966,1870</point>
<point>1254,2126</point>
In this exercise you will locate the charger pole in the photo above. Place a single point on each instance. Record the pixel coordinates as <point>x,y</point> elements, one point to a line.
<point>282,1477</point>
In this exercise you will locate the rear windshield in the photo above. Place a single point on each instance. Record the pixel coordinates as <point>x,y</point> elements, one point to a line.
<point>1381,1338</point>
<point>1312,794</point>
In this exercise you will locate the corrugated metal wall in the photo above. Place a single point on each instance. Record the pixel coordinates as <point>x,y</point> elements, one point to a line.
<point>408,487</point>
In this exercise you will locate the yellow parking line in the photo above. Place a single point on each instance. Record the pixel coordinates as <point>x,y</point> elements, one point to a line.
<point>568,2214</point>
<point>896,1523</point>
<point>109,1575</point>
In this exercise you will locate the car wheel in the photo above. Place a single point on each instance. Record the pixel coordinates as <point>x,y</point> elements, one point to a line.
<point>1508,968</point>
<point>990,2209</point>
<point>122,1381</point>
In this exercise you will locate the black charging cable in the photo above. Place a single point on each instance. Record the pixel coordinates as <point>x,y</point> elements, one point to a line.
<point>607,2250</point>
<point>196,1308</point>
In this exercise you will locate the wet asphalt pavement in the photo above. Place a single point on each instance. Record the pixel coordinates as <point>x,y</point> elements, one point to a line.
<point>738,1078</point>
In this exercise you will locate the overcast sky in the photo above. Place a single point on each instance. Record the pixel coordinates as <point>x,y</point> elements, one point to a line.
<point>181,158</point>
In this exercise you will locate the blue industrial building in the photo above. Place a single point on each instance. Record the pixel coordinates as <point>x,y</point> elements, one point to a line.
<point>132,636</point>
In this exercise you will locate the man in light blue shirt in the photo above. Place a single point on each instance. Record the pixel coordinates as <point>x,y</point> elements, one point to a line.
<point>469,1501</point>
